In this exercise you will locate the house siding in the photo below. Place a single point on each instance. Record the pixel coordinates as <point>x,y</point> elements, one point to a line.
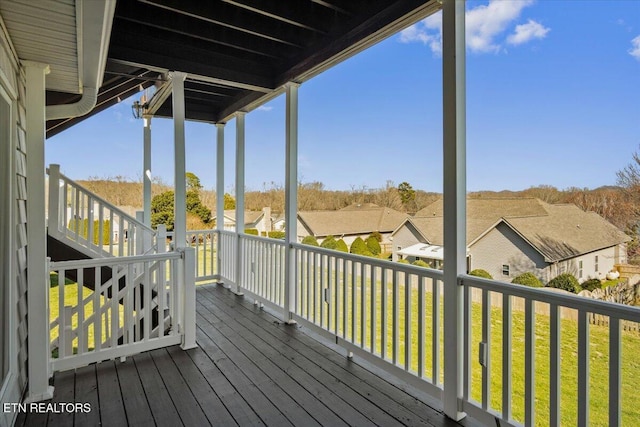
<point>404,237</point>
<point>607,258</point>
<point>13,82</point>
<point>503,246</point>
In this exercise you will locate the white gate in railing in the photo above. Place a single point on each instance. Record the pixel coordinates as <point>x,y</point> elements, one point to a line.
<point>90,224</point>
<point>116,307</point>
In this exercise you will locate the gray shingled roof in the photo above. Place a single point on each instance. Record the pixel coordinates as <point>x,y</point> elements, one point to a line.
<point>567,231</point>
<point>351,221</point>
<point>491,208</point>
<point>556,231</point>
<point>432,228</point>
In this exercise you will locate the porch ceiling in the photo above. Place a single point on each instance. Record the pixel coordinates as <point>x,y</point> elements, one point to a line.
<point>237,53</point>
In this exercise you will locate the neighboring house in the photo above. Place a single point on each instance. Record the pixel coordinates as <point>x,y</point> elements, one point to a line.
<point>507,237</point>
<point>350,223</point>
<point>260,220</point>
<point>277,222</point>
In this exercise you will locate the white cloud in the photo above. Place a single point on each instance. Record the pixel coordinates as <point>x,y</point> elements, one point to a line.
<point>428,31</point>
<point>264,108</point>
<point>635,48</point>
<point>485,26</point>
<point>527,32</point>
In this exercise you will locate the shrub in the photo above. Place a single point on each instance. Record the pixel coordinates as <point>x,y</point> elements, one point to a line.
<point>403,261</point>
<point>376,235</point>
<point>276,234</point>
<point>591,284</point>
<point>81,226</point>
<point>329,243</point>
<point>565,281</point>
<point>420,263</point>
<point>358,247</point>
<point>528,279</point>
<point>251,231</point>
<point>341,246</point>
<point>310,240</point>
<point>373,245</point>
<point>478,272</point>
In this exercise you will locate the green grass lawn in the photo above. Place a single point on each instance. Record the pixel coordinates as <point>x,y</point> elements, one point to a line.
<point>598,340</point>
<point>71,299</point>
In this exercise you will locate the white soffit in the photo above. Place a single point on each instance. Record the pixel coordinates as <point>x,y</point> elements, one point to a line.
<point>45,31</point>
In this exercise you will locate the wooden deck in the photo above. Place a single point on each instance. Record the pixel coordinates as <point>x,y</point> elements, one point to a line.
<point>249,369</point>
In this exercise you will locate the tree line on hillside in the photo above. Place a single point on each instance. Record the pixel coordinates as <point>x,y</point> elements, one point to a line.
<point>619,204</point>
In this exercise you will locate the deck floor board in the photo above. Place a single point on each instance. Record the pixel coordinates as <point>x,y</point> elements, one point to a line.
<point>249,370</point>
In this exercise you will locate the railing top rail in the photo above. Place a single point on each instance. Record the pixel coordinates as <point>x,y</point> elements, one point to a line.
<point>265,239</point>
<point>576,302</point>
<point>101,262</point>
<point>226,232</point>
<point>112,206</point>
<point>405,268</point>
<point>210,230</point>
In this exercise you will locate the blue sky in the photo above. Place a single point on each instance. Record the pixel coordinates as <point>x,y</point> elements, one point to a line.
<point>553,98</point>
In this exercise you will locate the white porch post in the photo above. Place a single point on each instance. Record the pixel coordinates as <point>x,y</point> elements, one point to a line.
<point>146,170</point>
<point>188,298</point>
<point>454,191</point>
<point>38,274</point>
<point>291,199</point>
<point>240,116</point>
<point>180,203</point>
<point>219,189</point>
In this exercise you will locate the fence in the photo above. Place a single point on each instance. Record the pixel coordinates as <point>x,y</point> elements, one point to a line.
<point>115,307</point>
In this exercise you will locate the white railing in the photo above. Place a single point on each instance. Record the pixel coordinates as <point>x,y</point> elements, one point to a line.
<point>564,359</point>
<point>386,312</point>
<point>90,224</point>
<point>115,307</point>
<point>205,244</point>
<point>262,272</point>
<point>227,255</point>
<point>558,351</point>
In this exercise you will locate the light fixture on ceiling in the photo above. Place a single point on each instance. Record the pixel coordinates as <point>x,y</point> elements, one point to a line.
<point>138,108</point>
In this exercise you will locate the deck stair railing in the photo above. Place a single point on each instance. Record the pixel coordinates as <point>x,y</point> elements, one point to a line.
<point>88,223</point>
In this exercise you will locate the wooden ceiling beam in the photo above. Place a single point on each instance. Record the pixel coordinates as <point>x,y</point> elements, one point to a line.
<point>150,52</point>
<point>297,13</point>
<point>382,20</point>
<point>217,12</point>
<point>333,7</point>
<point>163,19</point>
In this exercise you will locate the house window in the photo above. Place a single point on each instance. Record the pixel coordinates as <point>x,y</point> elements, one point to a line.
<point>580,269</point>
<point>595,267</point>
<point>505,269</point>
